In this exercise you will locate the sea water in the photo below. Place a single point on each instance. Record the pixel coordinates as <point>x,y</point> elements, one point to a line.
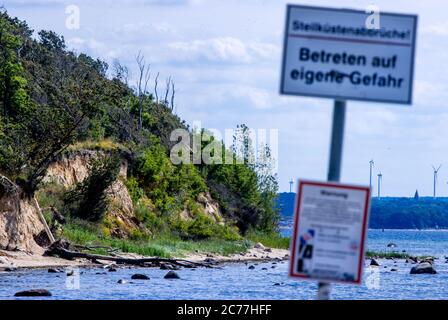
<point>236,281</point>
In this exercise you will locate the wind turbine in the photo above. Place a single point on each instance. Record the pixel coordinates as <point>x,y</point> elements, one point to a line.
<point>436,171</point>
<point>372,164</point>
<point>380,178</point>
<point>290,185</point>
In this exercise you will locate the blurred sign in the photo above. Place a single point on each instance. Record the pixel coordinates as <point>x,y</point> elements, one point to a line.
<point>331,53</point>
<point>329,232</point>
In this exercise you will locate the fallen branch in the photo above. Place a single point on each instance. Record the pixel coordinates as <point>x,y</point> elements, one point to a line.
<point>60,251</point>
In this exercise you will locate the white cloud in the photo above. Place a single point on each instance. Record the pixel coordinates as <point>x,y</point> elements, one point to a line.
<point>221,50</point>
<point>438,29</point>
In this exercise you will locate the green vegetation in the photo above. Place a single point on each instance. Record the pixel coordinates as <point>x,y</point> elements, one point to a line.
<point>273,239</point>
<point>386,255</point>
<point>393,255</point>
<point>55,102</point>
<point>164,245</point>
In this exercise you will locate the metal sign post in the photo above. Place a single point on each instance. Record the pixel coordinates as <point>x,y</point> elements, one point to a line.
<point>334,168</point>
<point>330,53</point>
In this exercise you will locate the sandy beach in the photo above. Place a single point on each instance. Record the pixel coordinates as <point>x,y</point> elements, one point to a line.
<point>20,259</point>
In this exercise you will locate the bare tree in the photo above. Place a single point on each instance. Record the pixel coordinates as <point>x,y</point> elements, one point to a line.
<point>173,93</point>
<point>142,84</point>
<point>156,82</point>
<point>167,90</point>
<point>121,72</point>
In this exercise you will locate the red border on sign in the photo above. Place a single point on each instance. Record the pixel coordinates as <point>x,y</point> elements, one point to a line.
<point>296,227</point>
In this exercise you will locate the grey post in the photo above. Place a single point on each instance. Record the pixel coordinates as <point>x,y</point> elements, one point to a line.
<point>334,167</point>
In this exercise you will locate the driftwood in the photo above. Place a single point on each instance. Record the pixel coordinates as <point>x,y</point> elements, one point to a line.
<point>61,250</point>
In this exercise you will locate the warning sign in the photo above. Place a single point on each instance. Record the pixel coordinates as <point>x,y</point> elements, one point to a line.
<point>329,232</point>
<point>332,53</point>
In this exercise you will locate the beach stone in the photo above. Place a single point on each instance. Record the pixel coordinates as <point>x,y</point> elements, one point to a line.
<point>423,268</point>
<point>139,276</point>
<point>373,262</point>
<point>251,267</point>
<point>171,275</point>
<point>112,269</point>
<point>34,293</point>
<point>52,270</point>
<point>210,260</point>
<point>411,260</point>
<point>259,245</point>
<point>268,250</point>
<point>10,269</point>
<point>168,267</point>
<point>428,260</point>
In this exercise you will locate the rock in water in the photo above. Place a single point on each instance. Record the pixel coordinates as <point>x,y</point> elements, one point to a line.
<point>10,269</point>
<point>139,277</point>
<point>411,259</point>
<point>391,245</point>
<point>52,270</point>
<point>424,267</point>
<point>34,293</point>
<point>251,267</point>
<point>171,275</point>
<point>373,262</point>
<point>121,281</point>
<point>111,269</point>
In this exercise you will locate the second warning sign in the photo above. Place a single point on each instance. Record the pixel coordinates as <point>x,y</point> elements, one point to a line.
<point>329,232</point>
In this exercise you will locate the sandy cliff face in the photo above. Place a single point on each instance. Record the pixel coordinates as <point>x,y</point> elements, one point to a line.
<point>20,224</point>
<point>74,168</point>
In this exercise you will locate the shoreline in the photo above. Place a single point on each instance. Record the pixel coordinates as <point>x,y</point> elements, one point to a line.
<point>18,260</point>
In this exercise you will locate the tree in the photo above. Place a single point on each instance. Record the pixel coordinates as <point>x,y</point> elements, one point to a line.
<point>142,85</point>
<point>51,40</point>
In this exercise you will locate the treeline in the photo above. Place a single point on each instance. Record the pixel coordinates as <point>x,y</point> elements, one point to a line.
<point>392,213</point>
<point>52,99</point>
<point>409,213</point>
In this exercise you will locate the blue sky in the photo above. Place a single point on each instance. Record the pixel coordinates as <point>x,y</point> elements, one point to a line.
<point>225,57</point>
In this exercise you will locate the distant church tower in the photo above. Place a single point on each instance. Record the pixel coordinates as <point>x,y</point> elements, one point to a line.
<point>416,196</point>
